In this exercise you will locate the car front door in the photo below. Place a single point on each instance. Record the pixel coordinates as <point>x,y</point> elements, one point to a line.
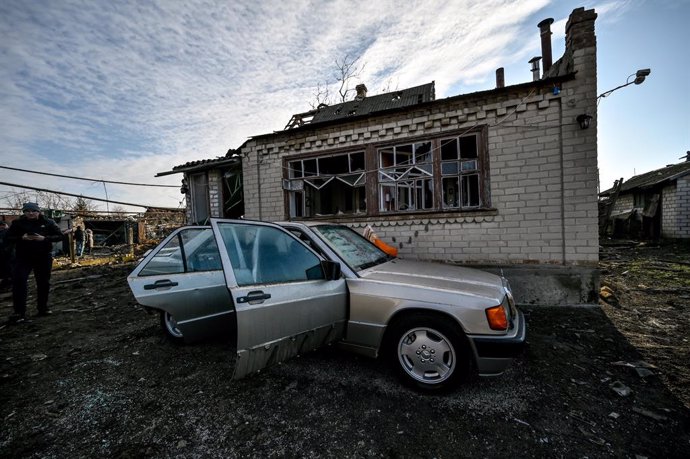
<point>285,304</point>
<point>184,277</point>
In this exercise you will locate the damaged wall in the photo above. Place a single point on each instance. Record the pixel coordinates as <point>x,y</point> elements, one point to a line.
<point>675,216</point>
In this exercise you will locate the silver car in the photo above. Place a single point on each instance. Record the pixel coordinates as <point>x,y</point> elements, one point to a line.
<point>283,289</point>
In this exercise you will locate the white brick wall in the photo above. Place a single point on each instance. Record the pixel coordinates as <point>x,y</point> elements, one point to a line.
<point>683,196</point>
<point>215,194</point>
<point>536,202</point>
<point>675,216</point>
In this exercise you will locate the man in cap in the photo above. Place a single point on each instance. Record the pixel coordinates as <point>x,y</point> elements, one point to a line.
<point>33,236</point>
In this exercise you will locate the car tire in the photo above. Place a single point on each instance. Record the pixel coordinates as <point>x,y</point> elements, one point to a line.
<point>429,352</point>
<point>169,324</point>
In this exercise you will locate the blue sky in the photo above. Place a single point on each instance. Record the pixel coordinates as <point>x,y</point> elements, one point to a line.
<point>123,90</point>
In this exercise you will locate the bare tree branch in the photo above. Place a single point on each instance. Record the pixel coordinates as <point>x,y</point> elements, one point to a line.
<point>321,95</point>
<point>347,69</point>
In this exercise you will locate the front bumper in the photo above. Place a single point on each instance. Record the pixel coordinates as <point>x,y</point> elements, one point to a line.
<point>493,354</point>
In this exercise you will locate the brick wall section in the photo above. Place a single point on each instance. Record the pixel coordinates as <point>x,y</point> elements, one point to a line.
<point>543,170</point>
<point>675,217</point>
<point>624,203</point>
<point>580,146</point>
<point>215,193</point>
<point>669,211</point>
<point>683,195</point>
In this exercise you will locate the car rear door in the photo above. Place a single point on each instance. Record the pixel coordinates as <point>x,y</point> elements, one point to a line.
<point>184,277</point>
<point>284,303</point>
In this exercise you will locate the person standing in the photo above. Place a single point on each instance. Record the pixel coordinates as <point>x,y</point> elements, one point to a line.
<point>79,238</point>
<point>32,235</point>
<point>5,258</point>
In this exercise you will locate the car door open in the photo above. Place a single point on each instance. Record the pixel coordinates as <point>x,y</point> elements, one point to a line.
<point>183,278</point>
<point>287,300</point>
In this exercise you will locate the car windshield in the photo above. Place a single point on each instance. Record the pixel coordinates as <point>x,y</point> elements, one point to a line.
<point>352,247</point>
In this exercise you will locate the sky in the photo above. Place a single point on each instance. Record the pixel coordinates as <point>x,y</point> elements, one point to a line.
<point>124,90</point>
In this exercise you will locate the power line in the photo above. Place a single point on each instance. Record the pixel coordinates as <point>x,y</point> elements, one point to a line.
<point>87,179</point>
<point>82,196</point>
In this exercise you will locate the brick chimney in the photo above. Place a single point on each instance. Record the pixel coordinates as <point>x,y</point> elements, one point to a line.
<point>361,91</point>
<point>579,31</point>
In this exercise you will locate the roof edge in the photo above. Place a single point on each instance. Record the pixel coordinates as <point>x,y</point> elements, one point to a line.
<point>199,167</point>
<point>497,91</point>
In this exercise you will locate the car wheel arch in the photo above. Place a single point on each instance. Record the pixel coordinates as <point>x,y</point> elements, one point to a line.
<point>169,326</point>
<point>403,314</point>
<point>436,322</point>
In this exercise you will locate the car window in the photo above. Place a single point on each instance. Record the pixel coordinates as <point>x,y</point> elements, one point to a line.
<point>200,250</point>
<point>307,240</point>
<point>352,247</point>
<point>266,255</point>
<point>191,250</point>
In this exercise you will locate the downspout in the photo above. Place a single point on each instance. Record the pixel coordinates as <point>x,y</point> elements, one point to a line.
<point>258,180</point>
<point>562,161</point>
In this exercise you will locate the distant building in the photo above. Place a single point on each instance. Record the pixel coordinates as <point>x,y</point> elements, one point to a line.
<point>652,205</point>
<point>212,187</point>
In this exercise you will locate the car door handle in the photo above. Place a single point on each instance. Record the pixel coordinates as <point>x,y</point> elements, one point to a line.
<point>159,284</point>
<point>254,296</point>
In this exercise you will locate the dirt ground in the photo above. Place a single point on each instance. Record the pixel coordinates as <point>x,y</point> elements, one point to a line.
<point>98,378</point>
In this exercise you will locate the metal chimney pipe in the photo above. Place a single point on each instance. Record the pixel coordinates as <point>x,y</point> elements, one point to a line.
<point>545,30</point>
<point>500,78</point>
<point>535,67</point>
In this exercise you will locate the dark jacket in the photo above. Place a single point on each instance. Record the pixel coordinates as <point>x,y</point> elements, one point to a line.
<point>79,234</point>
<point>43,226</point>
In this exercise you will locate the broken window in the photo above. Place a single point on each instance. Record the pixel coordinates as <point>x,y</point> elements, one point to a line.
<point>441,174</point>
<point>198,186</point>
<point>406,177</point>
<point>329,185</point>
<point>460,172</point>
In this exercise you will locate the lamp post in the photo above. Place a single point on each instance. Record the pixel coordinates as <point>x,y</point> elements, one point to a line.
<point>640,76</point>
<point>584,119</point>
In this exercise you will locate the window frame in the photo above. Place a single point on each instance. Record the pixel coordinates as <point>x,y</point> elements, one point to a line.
<point>297,180</point>
<point>195,194</point>
<point>373,183</point>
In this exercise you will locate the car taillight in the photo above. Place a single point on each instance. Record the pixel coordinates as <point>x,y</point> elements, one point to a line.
<point>497,318</point>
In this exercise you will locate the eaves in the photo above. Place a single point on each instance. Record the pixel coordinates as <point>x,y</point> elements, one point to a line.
<point>204,166</point>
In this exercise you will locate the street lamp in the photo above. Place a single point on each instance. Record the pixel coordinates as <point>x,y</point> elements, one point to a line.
<point>640,76</point>
<point>584,119</point>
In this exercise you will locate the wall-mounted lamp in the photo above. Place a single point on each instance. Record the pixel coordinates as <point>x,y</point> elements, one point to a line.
<point>583,120</point>
<point>640,76</point>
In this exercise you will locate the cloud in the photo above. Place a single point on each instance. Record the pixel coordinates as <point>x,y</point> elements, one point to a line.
<point>123,90</point>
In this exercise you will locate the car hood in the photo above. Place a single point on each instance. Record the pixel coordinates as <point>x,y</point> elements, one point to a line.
<point>438,276</point>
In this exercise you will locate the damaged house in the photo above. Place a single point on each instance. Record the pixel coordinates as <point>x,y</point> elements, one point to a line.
<point>652,205</point>
<point>499,179</point>
<point>212,188</point>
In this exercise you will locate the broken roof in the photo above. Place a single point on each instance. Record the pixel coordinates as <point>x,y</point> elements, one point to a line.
<point>366,106</point>
<point>231,158</point>
<point>654,178</point>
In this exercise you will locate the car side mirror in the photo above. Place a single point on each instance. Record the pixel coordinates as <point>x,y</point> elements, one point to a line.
<point>331,269</point>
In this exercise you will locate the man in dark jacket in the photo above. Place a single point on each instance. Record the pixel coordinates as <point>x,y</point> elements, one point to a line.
<point>33,236</point>
<point>5,257</point>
